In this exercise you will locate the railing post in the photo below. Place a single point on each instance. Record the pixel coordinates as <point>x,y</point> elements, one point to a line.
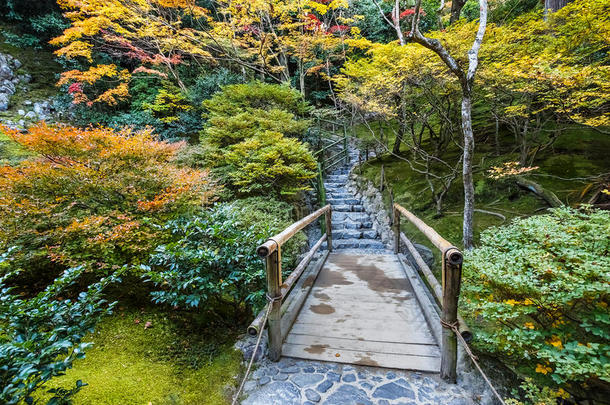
<point>329,229</point>
<point>452,275</point>
<point>396,224</point>
<point>273,266</point>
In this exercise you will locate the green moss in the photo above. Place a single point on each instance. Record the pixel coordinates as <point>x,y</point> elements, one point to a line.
<point>175,361</point>
<point>10,151</point>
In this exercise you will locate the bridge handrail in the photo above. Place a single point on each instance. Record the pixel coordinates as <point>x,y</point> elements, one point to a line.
<point>278,240</point>
<point>448,292</point>
<point>278,290</point>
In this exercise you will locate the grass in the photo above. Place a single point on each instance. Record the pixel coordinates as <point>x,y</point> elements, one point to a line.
<point>577,153</point>
<point>175,361</point>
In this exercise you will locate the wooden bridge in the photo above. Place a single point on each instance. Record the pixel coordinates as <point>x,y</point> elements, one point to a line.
<point>351,300</point>
<point>370,309</point>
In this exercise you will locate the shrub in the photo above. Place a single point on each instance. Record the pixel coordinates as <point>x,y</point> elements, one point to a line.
<point>212,260</point>
<point>41,336</point>
<point>250,139</point>
<point>268,163</point>
<point>538,288</point>
<point>94,197</point>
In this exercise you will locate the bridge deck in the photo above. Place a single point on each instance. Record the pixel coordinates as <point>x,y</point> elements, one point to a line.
<point>362,310</point>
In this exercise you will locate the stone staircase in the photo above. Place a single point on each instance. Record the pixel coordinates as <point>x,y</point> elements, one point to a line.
<point>352,228</point>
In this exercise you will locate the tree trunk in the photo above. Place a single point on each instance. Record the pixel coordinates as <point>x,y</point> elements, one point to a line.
<point>468,234</point>
<point>554,5</point>
<point>456,10</point>
<point>401,130</point>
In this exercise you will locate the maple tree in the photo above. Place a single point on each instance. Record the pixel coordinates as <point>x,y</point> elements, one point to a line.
<point>95,197</point>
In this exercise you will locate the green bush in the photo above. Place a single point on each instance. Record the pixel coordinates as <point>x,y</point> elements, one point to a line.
<point>250,139</point>
<point>212,260</point>
<point>41,336</point>
<point>537,292</point>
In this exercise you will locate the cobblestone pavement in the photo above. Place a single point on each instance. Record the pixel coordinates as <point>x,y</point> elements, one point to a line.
<point>292,381</point>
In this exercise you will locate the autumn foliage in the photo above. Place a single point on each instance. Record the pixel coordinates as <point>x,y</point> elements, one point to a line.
<point>93,197</point>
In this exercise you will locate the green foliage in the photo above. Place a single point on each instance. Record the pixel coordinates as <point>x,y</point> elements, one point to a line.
<point>250,139</point>
<point>209,83</point>
<point>538,288</point>
<point>269,162</point>
<point>507,10</point>
<point>532,394</point>
<point>43,335</point>
<point>212,258</point>
<point>168,103</point>
<point>36,22</point>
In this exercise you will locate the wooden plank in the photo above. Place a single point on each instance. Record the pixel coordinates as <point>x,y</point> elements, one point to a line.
<point>379,332</point>
<point>313,342</point>
<point>400,361</point>
<point>401,319</point>
<point>363,308</point>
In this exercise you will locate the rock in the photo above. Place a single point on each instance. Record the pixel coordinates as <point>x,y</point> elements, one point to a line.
<point>393,391</point>
<point>280,377</point>
<point>17,64</point>
<point>348,394</point>
<point>312,395</point>
<point>306,380</point>
<point>3,102</point>
<point>5,73</point>
<point>349,378</point>
<point>276,393</point>
<point>324,386</point>
<point>291,370</point>
<point>27,102</point>
<point>334,377</point>
<point>264,380</point>
<point>7,87</point>
<point>247,351</point>
<point>21,112</point>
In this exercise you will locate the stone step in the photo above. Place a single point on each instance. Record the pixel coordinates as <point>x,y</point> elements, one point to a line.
<point>347,234</point>
<point>336,177</point>
<point>354,234</point>
<point>337,187</point>
<point>333,194</point>
<point>352,225</point>
<point>342,201</point>
<point>350,216</point>
<point>356,244</point>
<point>348,208</point>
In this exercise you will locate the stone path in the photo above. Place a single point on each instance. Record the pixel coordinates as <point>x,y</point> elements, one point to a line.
<point>352,227</point>
<point>301,382</point>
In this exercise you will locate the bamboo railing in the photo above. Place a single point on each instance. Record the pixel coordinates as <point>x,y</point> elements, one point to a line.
<point>281,317</point>
<point>447,293</point>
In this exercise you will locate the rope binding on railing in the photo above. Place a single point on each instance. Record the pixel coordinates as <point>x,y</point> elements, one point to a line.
<point>473,357</point>
<point>270,300</point>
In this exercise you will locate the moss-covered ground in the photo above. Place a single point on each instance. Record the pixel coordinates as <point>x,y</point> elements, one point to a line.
<point>154,357</point>
<point>576,155</point>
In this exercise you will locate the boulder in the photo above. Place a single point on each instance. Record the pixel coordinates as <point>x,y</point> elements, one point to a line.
<point>4,99</point>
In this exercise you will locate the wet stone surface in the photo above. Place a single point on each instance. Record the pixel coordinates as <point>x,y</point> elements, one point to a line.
<point>298,382</point>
